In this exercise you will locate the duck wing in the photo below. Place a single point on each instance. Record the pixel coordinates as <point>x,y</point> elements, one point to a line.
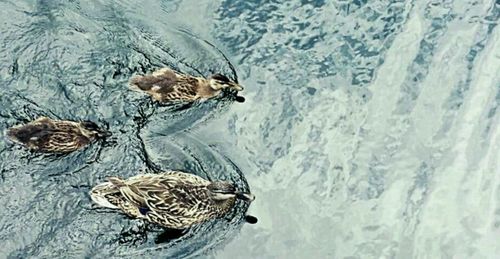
<point>169,199</point>
<point>62,141</point>
<point>130,192</point>
<point>179,206</point>
<point>179,200</point>
<point>145,194</point>
<point>167,85</point>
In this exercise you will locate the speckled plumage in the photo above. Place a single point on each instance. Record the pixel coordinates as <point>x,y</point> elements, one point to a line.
<point>167,85</point>
<point>174,199</point>
<point>54,136</point>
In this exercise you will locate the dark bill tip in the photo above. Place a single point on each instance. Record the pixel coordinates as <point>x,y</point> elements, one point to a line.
<point>251,219</point>
<point>240,99</point>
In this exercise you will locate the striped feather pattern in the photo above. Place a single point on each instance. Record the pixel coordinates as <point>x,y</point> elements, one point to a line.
<point>173,199</point>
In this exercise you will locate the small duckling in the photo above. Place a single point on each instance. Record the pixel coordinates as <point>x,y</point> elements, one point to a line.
<point>167,85</point>
<point>175,200</point>
<point>55,136</point>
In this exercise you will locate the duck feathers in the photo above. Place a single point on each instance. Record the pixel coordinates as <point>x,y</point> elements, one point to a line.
<point>51,136</point>
<point>172,199</point>
<point>166,85</point>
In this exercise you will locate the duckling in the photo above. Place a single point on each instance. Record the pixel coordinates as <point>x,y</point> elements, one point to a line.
<point>175,200</point>
<point>55,136</point>
<point>167,85</point>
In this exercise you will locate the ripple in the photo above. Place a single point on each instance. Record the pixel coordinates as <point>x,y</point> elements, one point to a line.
<point>317,38</point>
<point>72,61</point>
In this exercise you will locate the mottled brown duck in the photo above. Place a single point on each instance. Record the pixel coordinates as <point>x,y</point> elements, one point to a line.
<point>55,136</point>
<point>175,200</point>
<point>167,85</point>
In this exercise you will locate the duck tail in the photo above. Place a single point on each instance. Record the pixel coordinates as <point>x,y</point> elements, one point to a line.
<point>101,193</point>
<point>16,134</point>
<point>11,133</point>
<point>142,83</point>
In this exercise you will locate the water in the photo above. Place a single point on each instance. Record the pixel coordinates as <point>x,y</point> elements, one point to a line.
<point>370,128</point>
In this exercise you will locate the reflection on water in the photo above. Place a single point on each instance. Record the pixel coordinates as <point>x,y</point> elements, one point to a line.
<point>370,128</point>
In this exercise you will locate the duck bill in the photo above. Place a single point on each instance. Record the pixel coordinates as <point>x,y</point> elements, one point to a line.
<point>245,196</point>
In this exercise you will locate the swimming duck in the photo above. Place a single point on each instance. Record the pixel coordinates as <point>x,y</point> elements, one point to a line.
<point>175,199</point>
<point>167,85</point>
<point>55,136</point>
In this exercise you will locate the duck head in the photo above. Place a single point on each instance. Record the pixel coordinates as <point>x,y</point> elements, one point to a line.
<point>219,82</point>
<point>221,191</point>
<point>90,129</point>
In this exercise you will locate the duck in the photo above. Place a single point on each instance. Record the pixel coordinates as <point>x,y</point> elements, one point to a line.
<point>47,135</point>
<point>166,85</point>
<point>174,200</point>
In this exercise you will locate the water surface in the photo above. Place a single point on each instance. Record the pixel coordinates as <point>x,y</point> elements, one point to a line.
<point>370,128</point>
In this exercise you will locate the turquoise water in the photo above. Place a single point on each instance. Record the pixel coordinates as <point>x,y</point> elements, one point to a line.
<point>370,128</point>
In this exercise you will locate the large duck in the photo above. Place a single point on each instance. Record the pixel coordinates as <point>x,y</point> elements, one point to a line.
<point>174,199</point>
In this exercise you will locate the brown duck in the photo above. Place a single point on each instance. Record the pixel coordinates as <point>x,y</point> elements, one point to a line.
<point>172,199</point>
<point>167,85</point>
<point>55,136</point>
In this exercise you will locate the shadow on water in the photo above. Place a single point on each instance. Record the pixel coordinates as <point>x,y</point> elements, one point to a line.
<point>70,60</point>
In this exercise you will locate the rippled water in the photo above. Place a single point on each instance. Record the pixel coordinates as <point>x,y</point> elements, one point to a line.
<point>370,128</point>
